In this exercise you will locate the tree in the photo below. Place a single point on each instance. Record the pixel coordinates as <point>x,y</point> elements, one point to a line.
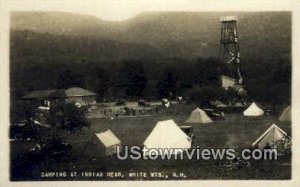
<point>68,116</point>
<point>207,72</point>
<point>203,95</point>
<point>98,80</point>
<point>21,110</point>
<point>230,96</point>
<point>133,78</point>
<point>279,92</point>
<point>69,78</point>
<point>167,83</point>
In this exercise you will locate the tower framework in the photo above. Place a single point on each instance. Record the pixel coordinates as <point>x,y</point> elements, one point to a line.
<point>229,47</point>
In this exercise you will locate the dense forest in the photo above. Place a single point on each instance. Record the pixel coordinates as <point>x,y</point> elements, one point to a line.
<point>148,66</point>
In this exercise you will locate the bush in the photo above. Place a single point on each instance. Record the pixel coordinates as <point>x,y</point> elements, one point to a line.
<point>68,116</point>
<point>203,95</point>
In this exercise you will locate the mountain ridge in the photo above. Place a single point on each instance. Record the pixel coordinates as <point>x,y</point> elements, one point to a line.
<point>174,34</point>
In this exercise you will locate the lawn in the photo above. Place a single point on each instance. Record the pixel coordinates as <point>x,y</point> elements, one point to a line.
<point>235,131</point>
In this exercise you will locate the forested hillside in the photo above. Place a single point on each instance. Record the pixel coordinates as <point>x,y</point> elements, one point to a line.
<point>147,56</point>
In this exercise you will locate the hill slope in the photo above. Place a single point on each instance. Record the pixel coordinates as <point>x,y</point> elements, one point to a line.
<point>174,34</point>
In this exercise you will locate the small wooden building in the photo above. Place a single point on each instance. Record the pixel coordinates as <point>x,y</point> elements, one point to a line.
<point>227,82</point>
<point>73,94</point>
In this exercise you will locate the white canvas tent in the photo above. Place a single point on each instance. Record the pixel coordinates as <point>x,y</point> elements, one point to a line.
<point>253,110</point>
<point>102,144</point>
<point>166,136</point>
<point>198,116</point>
<point>286,114</point>
<point>270,136</point>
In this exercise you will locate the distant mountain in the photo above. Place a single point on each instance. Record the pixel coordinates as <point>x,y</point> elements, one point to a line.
<point>61,23</point>
<point>189,34</point>
<point>163,46</point>
<point>172,34</point>
<point>31,45</point>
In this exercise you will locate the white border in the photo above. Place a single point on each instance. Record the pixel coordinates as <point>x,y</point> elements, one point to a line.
<point>148,5</point>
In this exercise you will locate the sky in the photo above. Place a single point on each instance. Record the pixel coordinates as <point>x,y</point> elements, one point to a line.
<point>118,10</point>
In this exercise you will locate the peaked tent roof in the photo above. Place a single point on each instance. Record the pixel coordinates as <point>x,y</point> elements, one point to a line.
<point>253,110</point>
<point>108,138</point>
<point>271,135</point>
<point>198,116</point>
<point>286,114</point>
<point>167,135</point>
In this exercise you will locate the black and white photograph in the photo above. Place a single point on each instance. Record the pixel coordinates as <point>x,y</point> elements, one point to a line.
<point>120,94</point>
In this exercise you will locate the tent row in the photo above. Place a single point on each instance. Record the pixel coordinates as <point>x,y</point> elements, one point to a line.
<point>199,116</point>
<point>254,110</point>
<point>167,134</point>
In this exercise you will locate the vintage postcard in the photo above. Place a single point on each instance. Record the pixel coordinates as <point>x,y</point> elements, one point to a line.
<point>150,92</point>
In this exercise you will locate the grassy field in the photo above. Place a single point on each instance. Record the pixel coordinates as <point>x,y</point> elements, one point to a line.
<point>235,131</point>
